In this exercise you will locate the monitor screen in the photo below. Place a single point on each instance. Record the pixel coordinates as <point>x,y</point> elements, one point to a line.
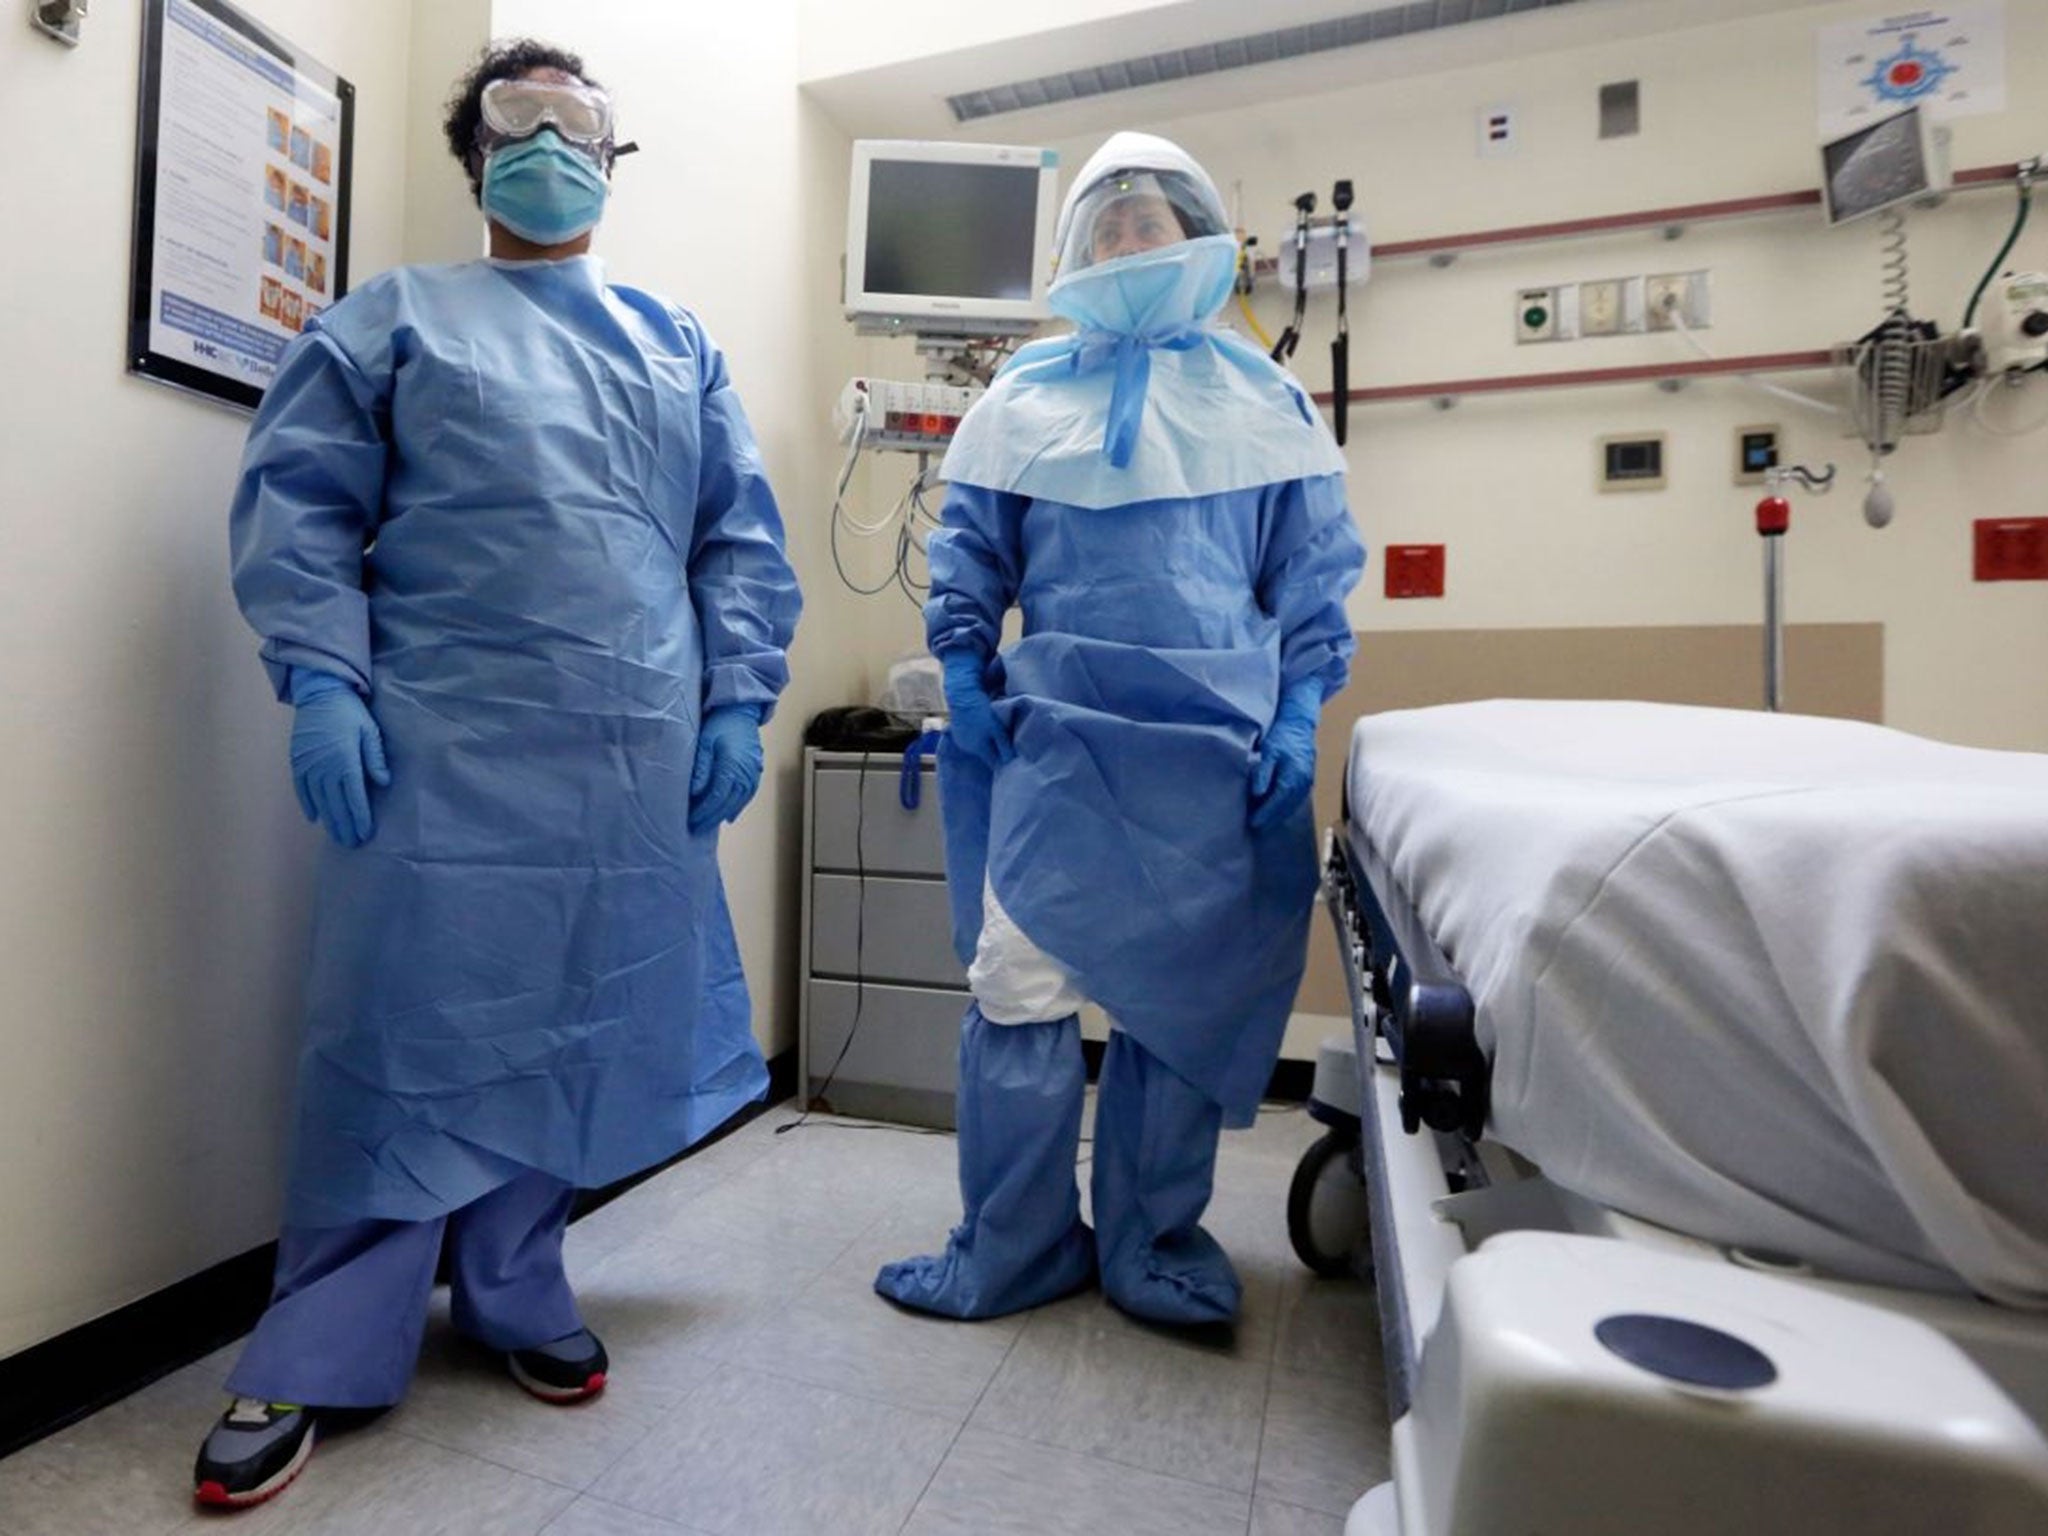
<point>1877,167</point>
<point>952,230</point>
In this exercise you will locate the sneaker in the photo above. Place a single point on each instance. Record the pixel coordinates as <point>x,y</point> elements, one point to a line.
<point>566,1371</point>
<point>255,1450</point>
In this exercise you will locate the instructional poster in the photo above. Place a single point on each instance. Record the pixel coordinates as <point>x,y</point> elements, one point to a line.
<point>241,201</point>
<point>1950,59</point>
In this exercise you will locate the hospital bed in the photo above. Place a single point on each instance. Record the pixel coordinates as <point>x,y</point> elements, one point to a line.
<point>1699,1084</point>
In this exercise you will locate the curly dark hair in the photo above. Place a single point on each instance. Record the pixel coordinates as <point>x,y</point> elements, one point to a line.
<point>499,61</point>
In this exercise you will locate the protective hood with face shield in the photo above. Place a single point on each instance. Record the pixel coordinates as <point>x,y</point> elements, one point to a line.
<point>1147,398</point>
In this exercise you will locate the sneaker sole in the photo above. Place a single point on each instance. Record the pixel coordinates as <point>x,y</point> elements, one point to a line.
<point>214,1496</point>
<point>558,1396</point>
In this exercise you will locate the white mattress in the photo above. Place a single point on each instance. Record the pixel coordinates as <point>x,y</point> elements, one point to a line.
<point>1775,981</point>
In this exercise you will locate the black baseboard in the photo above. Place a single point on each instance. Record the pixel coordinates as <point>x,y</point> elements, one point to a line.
<point>62,1380</point>
<point>54,1384</point>
<point>1291,1081</point>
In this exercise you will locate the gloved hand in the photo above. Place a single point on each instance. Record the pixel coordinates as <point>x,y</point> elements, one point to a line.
<point>1286,771</point>
<point>971,717</point>
<point>728,766</point>
<point>335,745</point>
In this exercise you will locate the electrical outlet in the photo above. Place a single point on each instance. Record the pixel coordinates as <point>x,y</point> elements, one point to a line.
<point>1601,311</point>
<point>1686,291</point>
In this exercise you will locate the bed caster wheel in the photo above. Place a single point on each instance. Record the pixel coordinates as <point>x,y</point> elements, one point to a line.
<point>1326,1206</point>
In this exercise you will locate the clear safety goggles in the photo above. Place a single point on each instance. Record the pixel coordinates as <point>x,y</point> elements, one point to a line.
<point>1132,211</point>
<point>518,109</point>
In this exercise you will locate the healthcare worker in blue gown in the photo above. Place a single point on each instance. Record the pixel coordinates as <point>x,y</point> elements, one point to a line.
<point>507,539</point>
<point>1126,787</point>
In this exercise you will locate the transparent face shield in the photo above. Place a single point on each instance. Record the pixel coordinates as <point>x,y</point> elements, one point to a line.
<point>1129,212</point>
<point>518,109</point>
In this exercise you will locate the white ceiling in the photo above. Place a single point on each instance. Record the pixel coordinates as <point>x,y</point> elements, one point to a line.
<point>907,99</point>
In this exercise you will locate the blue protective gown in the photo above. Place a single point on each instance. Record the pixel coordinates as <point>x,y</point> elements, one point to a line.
<point>522,511</point>
<point>1157,639</point>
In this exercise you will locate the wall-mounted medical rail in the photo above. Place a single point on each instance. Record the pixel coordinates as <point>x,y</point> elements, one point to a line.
<point>1582,378</point>
<point>1672,219</point>
<point>1442,250</point>
<point>1445,248</point>
<point>1448,390</point>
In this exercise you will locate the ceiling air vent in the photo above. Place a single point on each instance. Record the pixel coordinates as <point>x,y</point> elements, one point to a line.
<point>1235,53</point>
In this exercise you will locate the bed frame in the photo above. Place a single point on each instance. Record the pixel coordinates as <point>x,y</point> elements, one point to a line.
<point>1522,1398</point>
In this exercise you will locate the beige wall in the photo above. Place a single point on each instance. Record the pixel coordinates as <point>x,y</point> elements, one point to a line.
<point>441,219</point>
<point>154,907</point>
<point>1507,484</point>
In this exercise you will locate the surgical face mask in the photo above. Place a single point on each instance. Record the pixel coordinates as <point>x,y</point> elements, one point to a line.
<point>1152,295</point>
<point>543,191</point>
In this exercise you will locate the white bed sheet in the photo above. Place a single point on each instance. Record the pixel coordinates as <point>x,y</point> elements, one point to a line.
<point>1777,981</point>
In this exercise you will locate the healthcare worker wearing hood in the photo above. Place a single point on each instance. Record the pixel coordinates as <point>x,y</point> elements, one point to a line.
<point>509,545</point>
<point>1126,787</point>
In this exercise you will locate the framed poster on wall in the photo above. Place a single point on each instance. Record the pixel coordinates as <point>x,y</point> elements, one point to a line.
<point>244,150</point>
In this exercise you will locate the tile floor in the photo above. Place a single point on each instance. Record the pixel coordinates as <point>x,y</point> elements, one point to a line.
<point>760,1388</point>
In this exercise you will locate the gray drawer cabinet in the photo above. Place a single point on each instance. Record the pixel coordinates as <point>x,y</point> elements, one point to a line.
<point>882,993</point>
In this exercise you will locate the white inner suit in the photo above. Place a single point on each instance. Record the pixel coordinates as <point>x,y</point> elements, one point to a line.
<point>1013,980</point>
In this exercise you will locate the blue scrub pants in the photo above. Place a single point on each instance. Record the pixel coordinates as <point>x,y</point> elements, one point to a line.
<point>350,1302</point>
<point>1021,1242</point>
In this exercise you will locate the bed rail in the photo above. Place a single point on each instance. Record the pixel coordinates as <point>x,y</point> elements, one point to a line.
<point>1425,1012</point>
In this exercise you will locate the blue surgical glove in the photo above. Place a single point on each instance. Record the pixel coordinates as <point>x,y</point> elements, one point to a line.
<point>728,767</point>
<point>1286,770</point>
<point>337,752</point>
<point>971,715</point>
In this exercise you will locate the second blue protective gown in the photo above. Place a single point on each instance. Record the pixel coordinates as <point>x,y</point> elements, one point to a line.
<point>521,510</point>
<point>1158,636</point>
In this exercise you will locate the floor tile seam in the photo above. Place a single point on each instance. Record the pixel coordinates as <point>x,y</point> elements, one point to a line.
<point>1298,1508</point>
<point>659,1184</point>
<point>784,1374</point>
<point>850,1244</point>
<point>1192,1484</point>
<point>1367,1415</point>
<point>489,1461</point>
<point>743,1251</point>
<point>1265,1418</point>
<point>627,1509</point>
<point>1138,1334</point>
<point>647,1429</point>
<point>693,1352</point>
<point>860,1397</point>
<point>1131,1466</point>
<point>1127,1466</point>
<point>953,1444</point>
<point>743,1341</point>
<point>675,1206</point>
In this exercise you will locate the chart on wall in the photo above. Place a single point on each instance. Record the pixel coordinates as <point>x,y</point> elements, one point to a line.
<point>243,158</point>
<point>1950,59</point>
